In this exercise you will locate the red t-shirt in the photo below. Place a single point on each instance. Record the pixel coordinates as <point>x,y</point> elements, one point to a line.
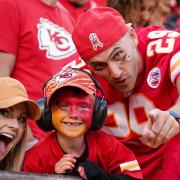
<point>40,37</point>
<point>103,150</point>
<point>155,88</point>
<point>171,160</point>
<point>101,2</point>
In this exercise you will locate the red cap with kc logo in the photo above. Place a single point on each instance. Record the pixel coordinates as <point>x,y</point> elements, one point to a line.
<point>69,77</point>
<point>96,30</point>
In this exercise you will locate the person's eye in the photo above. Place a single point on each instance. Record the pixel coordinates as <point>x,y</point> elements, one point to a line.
<point>22,119</point>
<point>84,107</point>
<point>98,66</point>
<point>63,106</point>
<point>5,113</point>
<point>120,57</point>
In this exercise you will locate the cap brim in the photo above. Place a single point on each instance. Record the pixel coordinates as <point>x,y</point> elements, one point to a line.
<point>84,88</point>
<point>34,111</point>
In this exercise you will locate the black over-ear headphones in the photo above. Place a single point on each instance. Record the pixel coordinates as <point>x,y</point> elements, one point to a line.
<point>99,112</point>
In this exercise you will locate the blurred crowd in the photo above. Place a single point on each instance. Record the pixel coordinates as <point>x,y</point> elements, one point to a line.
<point>142,13</point>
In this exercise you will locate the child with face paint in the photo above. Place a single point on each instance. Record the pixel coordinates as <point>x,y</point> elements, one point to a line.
<point>15,108</point>
<point>73,148</point>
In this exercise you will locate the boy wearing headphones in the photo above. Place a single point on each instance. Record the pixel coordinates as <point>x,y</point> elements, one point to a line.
<point>74,147</point>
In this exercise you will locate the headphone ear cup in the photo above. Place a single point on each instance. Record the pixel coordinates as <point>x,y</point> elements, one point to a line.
<point>99,114</point>
<point>45,122</point>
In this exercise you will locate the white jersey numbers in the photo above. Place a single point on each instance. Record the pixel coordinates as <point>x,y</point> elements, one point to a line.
<point>125,124</point>
<point>163,42</point>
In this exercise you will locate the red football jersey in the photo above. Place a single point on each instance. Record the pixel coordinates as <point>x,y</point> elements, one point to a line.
<point>103,149</point>
<point>171,160</point>
<point>155,88</point>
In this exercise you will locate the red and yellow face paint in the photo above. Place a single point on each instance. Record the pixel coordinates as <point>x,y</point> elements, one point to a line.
<point>72,113</point>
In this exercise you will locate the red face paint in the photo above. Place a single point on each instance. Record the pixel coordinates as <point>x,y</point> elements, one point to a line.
<point>72,113</point>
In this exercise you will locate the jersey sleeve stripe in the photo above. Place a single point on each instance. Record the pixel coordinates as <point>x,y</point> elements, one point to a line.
<point>175,67</point>
<point>130,166</point>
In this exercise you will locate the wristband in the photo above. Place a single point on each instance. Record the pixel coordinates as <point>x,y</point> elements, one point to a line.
<point>175,115</point>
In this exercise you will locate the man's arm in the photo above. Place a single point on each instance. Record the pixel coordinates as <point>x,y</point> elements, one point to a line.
<point>7,62</point>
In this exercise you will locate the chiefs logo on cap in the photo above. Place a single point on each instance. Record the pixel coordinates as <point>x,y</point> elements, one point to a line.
<point>95,41</point>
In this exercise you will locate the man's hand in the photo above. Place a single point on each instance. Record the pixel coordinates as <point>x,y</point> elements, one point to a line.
<point>65,164</point>
<point>82,173</point>
<point>161,127</point>
<point>89,170</point>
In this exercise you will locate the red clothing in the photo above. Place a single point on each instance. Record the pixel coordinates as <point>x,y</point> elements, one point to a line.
<point>40,37</point>
<point>103,150</point>
<point>155,87</point>
<point>76,10</point>
<point>171,160</point>
<point>101,2</point>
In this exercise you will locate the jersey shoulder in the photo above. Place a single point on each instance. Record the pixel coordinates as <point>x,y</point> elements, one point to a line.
<point>156,43</point>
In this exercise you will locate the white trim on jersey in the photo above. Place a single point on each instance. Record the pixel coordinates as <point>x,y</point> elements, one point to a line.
<point>175,67</point>
<point>130,166</point>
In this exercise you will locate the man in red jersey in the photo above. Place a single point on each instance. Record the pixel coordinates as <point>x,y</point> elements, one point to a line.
<point>143,69</point>
<point>35,43</point>
<point>76,147</point>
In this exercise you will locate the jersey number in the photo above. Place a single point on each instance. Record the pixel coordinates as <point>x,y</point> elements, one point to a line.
<point>139,106</point>
<point>161,44</point>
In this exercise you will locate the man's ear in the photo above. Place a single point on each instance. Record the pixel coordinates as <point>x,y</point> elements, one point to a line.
<point>132,34</point>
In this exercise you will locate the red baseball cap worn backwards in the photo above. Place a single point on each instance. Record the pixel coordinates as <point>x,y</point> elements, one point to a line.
<point>69,77</point>
<point>96,30</point>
